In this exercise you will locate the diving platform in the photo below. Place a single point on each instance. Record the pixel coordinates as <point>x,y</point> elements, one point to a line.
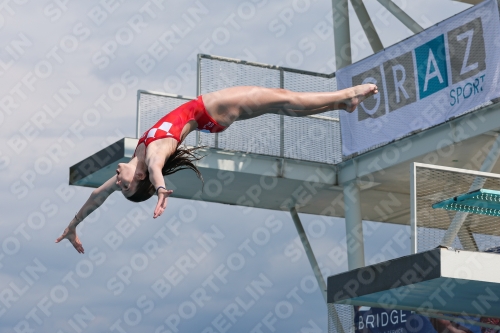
<point>439,281</point>
<point>277,183</point>
<point>233,178</point>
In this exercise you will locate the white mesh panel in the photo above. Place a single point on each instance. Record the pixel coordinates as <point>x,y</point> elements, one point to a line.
<point>309,138</point>
<point>312,140</point>
<point>217,74</point>
<point>260,135</point>
<point>340,318</point>
<point>433,186</point>
<point>304,138</point>
<point>153,106</point>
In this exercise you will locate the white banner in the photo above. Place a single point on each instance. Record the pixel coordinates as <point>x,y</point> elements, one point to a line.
<point>425,80</point>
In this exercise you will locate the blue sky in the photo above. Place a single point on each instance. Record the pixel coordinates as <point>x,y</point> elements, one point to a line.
<point>201,267</point>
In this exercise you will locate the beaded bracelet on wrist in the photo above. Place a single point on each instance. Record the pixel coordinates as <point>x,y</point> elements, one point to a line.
<point>159,187</point>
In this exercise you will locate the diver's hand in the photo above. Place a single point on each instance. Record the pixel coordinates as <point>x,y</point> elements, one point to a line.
<point>162,201</point>
<point>70,234</point>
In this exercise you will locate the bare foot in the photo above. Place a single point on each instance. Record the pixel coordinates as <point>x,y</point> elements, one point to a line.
<point>357,95</point>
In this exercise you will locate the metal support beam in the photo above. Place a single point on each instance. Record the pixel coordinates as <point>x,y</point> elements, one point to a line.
<point>313,262</point>
<point>309,252</point>
<point>198,93</point>
<point>467,239</point>
<point>401,16</point>
<point>367,25</point>
<point>354,226</point>
<point>413,208</point>
<point>341,33</point>
<point>138,119</point>
<point>459,219</point>
<point>282,117</point>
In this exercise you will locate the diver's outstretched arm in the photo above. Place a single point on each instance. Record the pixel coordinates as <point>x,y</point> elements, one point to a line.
<point>156,178</point>
<point>96,199</point>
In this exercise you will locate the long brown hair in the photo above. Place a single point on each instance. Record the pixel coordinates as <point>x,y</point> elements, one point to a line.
<point>181,159</point>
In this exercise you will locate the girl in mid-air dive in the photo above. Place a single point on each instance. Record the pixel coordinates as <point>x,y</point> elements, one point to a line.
<point>158,152</point>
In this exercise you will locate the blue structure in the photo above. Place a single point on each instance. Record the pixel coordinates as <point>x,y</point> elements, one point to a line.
<point>485,202</point>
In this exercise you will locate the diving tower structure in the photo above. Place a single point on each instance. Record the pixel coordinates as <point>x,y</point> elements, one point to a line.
<point>376,183</point>
<point>314,165</point>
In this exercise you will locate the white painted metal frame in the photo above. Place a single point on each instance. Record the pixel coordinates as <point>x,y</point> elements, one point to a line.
<point>342,34</point>
<point>198,91</point>
<point>401,16</point>
<point>413,207</point>
<point>367,25</point>
<point>354,225</point>
<point>459,219</point>
<point>414,222</point>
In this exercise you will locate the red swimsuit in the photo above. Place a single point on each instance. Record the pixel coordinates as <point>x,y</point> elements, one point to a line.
<point>171,125</point>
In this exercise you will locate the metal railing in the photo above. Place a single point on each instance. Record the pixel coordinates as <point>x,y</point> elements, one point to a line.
<point>313,138</point>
